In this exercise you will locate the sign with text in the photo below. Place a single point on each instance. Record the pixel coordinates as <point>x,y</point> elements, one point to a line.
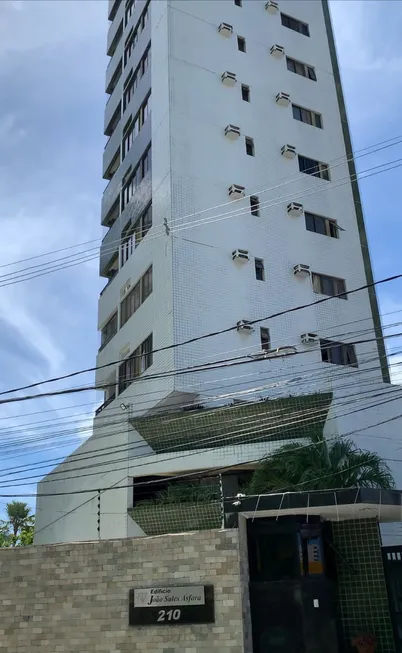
<point>173,605</point>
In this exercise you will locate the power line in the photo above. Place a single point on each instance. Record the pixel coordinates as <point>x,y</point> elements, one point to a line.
<point>212,442</point>
<point>194,339</point>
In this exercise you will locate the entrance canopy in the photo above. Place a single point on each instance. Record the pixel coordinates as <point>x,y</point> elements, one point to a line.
<point>332,505</point>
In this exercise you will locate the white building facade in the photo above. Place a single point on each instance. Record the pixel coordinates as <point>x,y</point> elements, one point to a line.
<point>231,198</point>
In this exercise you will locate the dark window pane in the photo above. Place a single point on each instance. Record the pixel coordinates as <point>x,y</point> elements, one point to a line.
<point>300,68</point>
<point>324,173</point>
<point>327,286</point>
<point>311,73</point>
<point>296,112</point>
<point>333,230</point>
<point>309,222</point>
<point>318,122</point>
<point>320,225</point>
<point>306,116</point>
<point>290,63</point>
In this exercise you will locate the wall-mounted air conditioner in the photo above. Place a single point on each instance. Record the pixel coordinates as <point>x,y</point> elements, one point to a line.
<point>295,209</point>
<point>277,51</point>
<point>272,7</point>
<point>241,255</point>
<point>309,338</point>
<point>228,78</point>
<point>124,290</point>
<point>236,192</point>
<point>289,151</point>
<point>232,132</point>
<point>244,326</point>
<point>225,29</point>
<point>283,99</point>
<point>301,269</point>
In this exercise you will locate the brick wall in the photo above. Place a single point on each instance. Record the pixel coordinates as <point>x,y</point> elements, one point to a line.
<point>362,593</point>
<point>73,598</point>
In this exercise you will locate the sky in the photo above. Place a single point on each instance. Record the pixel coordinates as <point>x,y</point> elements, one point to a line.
<point>52,67</point>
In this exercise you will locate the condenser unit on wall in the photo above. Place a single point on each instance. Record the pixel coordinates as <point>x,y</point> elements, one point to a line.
<point>301,269</point>
<point>295,209</point>
<point>277,51</point>
<point>124,290</point>
<point>232,132</point>
<point>309,338</point>
<point>272,7</point>
<point>244,326</point>
<point>225,29</point>
<point>283,99</point>
<point>228,78</point>
<point>241,255</point>
<point>288,151</point>
<point>236,192</point>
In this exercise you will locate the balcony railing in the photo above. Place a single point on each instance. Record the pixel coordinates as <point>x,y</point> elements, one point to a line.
<point>105,403</point>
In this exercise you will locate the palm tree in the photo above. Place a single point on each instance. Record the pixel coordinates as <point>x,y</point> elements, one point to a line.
<point>319,466</point>
<point>19,517</point>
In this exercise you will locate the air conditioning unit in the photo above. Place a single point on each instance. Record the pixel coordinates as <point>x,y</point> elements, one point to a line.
<point>240,255</point>
<point>225,29</point>
<point>283,99</point>
<point>228,79</point>
<point>244,326</point>
<point>125,288</point>
<point>295,209</point>
<point>301,269</point>
<point>289,151</point>
<point>309,338</point>
<point>232,132</point>
<point>277,51</point>
<point>272,7</point>
<point>236,191</point>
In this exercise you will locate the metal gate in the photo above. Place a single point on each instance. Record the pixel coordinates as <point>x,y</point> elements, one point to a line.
<point>392,557</point>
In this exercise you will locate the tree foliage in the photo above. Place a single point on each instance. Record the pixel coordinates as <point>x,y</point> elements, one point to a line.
<point>18,529</point>
<point>319,466</point>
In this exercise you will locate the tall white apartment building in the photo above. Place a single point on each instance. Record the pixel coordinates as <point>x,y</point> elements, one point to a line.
<point>231,197</point>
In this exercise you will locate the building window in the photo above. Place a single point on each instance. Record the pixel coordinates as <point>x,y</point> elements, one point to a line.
<point>245,92</point>
<point>294,24</point>
<point>321,225</point>
<point>259,269</point>
<point>133,127</point>
<point>136,297</point>
<point>307,116</point>
<point>238,3</point>
<point>127,244</point>
<point>134,35</point>
<point>241,43</point>
<point>255,205</point>
<point>135,178</point>
<point>265,339</point>
<point>338,353</point>
<point>250,150</point>
<point>301,69</point>
<point>130,4</point>
<point>331,286</point>
<point>313,167</point>
<point>133,79</point>
<point>136,364</point>
<point>113,166</point>
<point>133,234</point>
<point>109,330</point>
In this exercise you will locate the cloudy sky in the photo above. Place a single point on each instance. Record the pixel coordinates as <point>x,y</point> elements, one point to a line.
<point>52,64</point>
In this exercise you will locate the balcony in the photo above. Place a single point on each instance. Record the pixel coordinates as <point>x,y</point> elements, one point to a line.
<point>114,72</point>
<point>114,6</point>
<point>113,188</point>
<point>111,241</point>
<point>113,102</point>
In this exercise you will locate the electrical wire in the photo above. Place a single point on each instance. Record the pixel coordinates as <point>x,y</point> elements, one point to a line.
<point>192,340</point>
